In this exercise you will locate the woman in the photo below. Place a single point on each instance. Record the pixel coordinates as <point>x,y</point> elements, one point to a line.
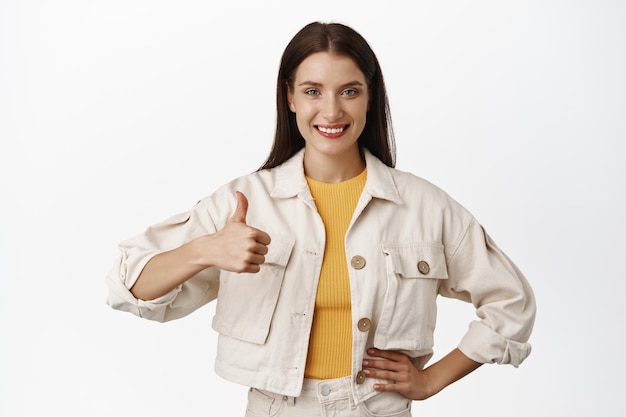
<point>326,263</point>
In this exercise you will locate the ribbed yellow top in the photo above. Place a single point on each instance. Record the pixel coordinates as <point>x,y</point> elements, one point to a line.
<point>330,346</point>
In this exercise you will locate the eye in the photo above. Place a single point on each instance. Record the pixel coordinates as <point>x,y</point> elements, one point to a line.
<point>350,92</point>
<point>311,92</point>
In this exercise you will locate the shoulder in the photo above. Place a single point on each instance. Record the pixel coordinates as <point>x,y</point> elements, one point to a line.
<point>395,182</point>
<point>409,183</point>
<point>423,198</point>
<point>259,187</point>
<point>407,177</point>
<point>409,187</point>
<point>249,184</point>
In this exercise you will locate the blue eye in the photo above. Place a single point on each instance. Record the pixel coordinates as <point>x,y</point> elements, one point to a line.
<point>311,92</point>
<point>350,92</point>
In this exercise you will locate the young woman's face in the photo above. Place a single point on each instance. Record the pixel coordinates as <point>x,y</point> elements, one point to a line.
<point>330,99</point>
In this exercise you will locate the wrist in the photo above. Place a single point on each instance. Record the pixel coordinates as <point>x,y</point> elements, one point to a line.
<point>434,382</point>
<point>448,370</point>
<point>199,252</point>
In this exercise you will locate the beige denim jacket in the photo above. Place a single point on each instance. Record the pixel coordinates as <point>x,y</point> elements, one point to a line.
<point>407,243</point>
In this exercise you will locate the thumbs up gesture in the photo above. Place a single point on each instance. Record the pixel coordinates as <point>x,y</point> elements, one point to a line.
<point>242,248</point>
<point>241,211</point>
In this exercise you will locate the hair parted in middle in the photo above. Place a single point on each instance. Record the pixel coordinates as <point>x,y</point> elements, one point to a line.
<point>339,39</point>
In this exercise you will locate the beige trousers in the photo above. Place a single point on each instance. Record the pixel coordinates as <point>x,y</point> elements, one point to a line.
<point>325,398</point>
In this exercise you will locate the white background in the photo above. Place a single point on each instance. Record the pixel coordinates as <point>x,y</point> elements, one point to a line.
<point>117,114</point>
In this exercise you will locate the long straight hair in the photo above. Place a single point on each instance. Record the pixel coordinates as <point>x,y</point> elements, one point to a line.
<point>342,40</point>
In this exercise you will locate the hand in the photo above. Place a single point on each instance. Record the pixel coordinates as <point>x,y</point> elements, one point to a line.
<point>404,378</point>
<point>240,248</point>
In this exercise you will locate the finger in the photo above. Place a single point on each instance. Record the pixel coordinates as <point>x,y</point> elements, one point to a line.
<point>257,236</point>
<point>241,210</point>
<point>250,264</point>
<point>255,259</point>
<point>390,376</point>
<point>251,268</point>
<point>384,364</point>
<point>392,387</point>
<point>386,354</point>
<point>263,238</point>
<point>261,249</point>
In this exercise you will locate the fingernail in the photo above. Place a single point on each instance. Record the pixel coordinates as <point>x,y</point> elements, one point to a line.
<point>365,363</point>
<point>366,371</point>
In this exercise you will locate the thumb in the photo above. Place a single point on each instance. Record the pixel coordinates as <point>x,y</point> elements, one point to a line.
<point>241,210</point>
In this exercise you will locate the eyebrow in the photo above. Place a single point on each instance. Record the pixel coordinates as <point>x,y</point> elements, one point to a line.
<point>316,84</point>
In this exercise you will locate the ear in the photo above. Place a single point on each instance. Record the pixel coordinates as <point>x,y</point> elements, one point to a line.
<point>290,99</point>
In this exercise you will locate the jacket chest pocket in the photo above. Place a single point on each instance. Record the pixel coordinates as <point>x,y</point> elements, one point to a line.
<point>246,302</point>
<point>410,308</point>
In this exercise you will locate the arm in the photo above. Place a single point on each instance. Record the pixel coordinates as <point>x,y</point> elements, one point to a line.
<point>237,247</point>
<point>411,382</point>
<point>479,273</point>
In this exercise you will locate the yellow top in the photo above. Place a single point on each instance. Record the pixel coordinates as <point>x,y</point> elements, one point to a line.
<point>330,346</point>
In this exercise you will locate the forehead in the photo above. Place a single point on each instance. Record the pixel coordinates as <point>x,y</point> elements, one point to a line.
<point>327,68</point>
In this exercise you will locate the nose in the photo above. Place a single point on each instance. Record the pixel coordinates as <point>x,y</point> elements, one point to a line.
<point>331,108</point>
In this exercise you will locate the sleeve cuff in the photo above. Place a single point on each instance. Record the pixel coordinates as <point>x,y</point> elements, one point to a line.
<point>120,298</point>
<point>484,345</point>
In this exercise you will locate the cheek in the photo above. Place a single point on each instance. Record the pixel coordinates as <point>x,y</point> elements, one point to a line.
<point>304,115</point>
<point>361,113</point>
<point>303,124</point>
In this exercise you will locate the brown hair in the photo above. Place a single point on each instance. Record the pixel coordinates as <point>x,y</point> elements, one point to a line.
<point>338,39</point>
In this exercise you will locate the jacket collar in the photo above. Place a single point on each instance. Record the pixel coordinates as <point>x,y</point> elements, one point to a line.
<point>291,181</point>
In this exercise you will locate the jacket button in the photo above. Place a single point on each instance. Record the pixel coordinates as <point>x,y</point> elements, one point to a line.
<point>423,267</point>
<point>364,324</point>
<point>360,377</point>
<point>357,262</point>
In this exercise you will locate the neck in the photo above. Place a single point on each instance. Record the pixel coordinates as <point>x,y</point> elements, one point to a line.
<point>333,169</point>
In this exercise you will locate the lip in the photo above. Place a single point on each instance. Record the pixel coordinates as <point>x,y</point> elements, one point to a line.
<point>330,135</point>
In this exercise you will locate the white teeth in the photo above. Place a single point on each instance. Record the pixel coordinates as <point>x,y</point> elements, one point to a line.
<point>333,130</point>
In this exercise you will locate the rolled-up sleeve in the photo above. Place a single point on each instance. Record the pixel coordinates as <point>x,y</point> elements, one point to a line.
<point>480,273</point>
<point>137,251</point>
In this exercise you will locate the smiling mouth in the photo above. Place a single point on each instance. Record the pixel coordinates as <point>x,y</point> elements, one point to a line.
<point>332,130</point>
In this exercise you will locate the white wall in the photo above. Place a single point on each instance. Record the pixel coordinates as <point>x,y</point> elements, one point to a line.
<point>117,114</point>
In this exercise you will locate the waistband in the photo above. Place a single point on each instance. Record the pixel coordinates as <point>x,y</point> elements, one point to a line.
<point>324,390</point>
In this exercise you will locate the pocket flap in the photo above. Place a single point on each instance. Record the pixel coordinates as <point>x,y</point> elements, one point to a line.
<point>417,259</point>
